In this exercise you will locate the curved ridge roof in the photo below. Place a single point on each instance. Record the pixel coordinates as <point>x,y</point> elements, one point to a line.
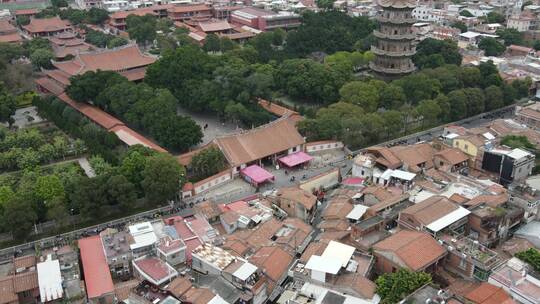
<point>398,3</point>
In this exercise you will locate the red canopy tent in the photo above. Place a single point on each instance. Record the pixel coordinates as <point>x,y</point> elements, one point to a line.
<point>256,175</point>
<point>295,159</point>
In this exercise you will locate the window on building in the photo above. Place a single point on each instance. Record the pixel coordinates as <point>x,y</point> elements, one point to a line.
<point>463,263</point>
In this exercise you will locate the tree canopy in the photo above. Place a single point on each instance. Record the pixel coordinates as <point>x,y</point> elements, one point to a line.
<point>142,28</point>
<point>432,53</point>
<point>530,256</point>
<point>393,287</point>
<point>491,46</point>
<point>207,163</point>
<point>510,36</point>
<point>328,31</point>
<point>517,141</point>
<point>163,178</point>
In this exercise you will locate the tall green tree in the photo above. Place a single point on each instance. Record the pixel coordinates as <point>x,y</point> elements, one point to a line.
<point>88,86</point>
<point>432,53</point>
<point>494,98</point>
<point>182,72</point>
<point>132,167</point>
<point>97,15</point>
<point>362,94</point>
<point>163,178</point>
<point>510,36</point>
<point>212,43</point>
<point>429,110</point>
<point>494,17</point>
<point>178,132</point>
<point>207,163</point>
<point>328,31</point>
<point>392,97</point>
<point>49,187</point>
<point>41,58</point>
<point>19,217</point>
<point>121,192</point>
<point>8,105</point>
<point>458,104</point>
<point>141,28</point>
<point>491,46</point>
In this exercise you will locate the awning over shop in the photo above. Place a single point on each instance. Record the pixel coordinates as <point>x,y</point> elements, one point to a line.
<point>295,159</point>
<point>256,175</point>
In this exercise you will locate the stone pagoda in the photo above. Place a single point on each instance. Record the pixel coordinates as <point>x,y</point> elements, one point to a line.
<point>395,39</point>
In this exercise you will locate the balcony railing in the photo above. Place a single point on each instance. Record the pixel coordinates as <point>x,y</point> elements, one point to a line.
<point>394,71</point>
<point>381,35</point>
<point>395,20</point>
<point>378,51</point>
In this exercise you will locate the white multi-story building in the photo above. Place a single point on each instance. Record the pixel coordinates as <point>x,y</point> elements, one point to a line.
<point>521,23</point>
<point>429,14</point>
<point>88,4</point>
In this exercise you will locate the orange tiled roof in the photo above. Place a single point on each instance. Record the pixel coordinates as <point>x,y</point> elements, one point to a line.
<point>137,12</point>
<point>275,108</point>
<point>269,139</point>
<point>97,115</point>
<point>14,37</point>
<point>53,24</point>
<point>7,293</point>
<point>385,157</point>
<point>189,8</point>
<point>50,85</point>
<point>6,27</point>
<point>24,262</point>
<point>453,156</point>
<point>416,250</point>
<point>118,59</point>
<point>489,294</point>
<point>414,155</point>
<point>25,281</point>
<point>296,194</point>
<point>431,209</point>
<point>179,286</point>
<point>29,11</point>
<point>274,260</point>
<point>215,26</point>
<point>198,295</point>
<point>130,137</point>
<point>59,76</point>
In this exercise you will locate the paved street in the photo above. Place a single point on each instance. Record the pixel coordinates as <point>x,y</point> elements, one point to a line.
<point>214,128</point>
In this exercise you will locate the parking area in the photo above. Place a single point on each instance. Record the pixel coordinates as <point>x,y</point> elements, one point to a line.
<point>211,126</point>
<point>25,117</point>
